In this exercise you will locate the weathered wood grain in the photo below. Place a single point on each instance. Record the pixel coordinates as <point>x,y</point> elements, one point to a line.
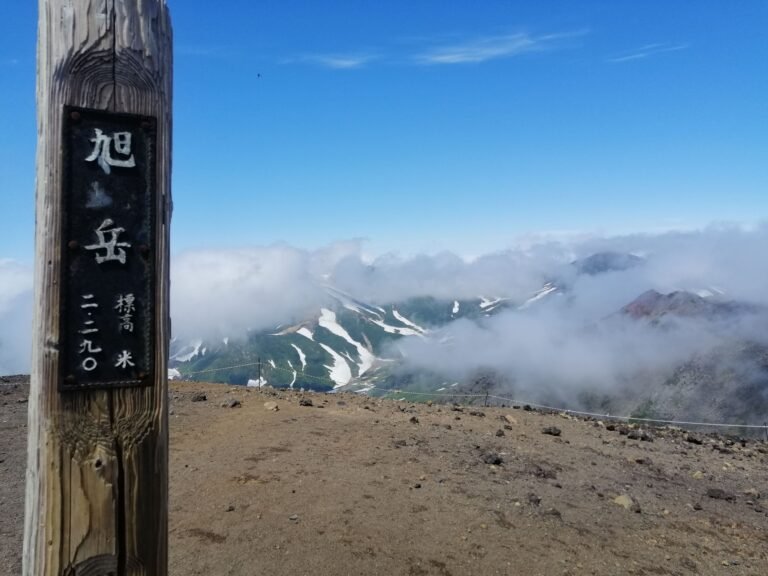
<point>97,480</point>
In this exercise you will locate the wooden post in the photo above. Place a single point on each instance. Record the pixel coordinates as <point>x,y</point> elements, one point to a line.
<point>97,473</point>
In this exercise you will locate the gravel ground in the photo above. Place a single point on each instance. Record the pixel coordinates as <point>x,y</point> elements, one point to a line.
<point>345,484</point>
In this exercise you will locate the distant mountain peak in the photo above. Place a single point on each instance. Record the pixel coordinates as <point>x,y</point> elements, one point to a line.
<point>653,304</point>
<point>602,262</point>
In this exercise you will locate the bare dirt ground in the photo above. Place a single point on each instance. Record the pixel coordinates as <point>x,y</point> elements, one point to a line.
<point>354,485</point>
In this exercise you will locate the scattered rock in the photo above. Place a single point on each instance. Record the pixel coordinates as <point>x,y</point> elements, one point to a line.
<point>610,426</point>
<point>477,413</point>
<point>641,435</point>
<point>509,419</point>
<point>720,494</point>
<point>533,499</point>
<point>341,403</point>
<point>697,506</point>
<point>230,508</point>
<point>307,402</point>
<point>499,432</point>
<point>544,473</point>
<point>413,420</point>
<point>491,457</point>
<point>272,406</point>
<point>552,431</point>
<point>693,439</point>
<point>232,403</point>
<point>199,397</point>
<point>399,443</point>
<point>627,502</point>
<point>752,493</point>
<point>293,517</point>
<point>698,475</point>
<point>553,512</point>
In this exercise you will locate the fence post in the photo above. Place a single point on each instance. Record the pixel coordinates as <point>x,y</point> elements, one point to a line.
<point>97,472</point>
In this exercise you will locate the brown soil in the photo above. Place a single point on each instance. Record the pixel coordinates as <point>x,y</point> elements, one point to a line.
<point>353,485</point>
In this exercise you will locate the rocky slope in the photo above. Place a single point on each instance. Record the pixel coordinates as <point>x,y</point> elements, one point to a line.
<point>290,483</point>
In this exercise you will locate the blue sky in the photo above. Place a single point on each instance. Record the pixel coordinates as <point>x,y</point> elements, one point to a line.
<point>424,126</point>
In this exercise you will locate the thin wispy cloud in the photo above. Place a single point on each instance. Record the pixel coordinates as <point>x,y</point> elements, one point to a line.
<point>493,47</point>
<point>338,61</point>
<point>647,51</point>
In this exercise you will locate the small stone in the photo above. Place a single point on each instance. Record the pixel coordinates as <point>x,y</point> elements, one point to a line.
<point>413,420</point>
<point>720,494</point>
<point>199,397</point>
<point>499,432</point>
<point>553,512</point>
<point>306,402</point>
<point>552,431</point>
<point>230,508</point>
<point>693,439</point>
<point>697,506</point>
<point>698,475</point>
<point>477,413</point>
<point>753,493</point>
<point>491,457</point>
<point>232,403</point>
<point>624,501</point>
<point>271,406</point>
<point>533,499</point>
<point>293,517</point>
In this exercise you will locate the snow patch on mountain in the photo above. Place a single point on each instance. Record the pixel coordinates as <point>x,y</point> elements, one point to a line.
<point>328,321</point>
<point>486,302</point>
<point>302,357</point>
<point>306,332</point>
<point>340,372</point>
<point>407,322</point>
<point>396,330</point>
<point>185,354</point>
<point>294,374</point>
<point>455,307</point>
<point>548,288</point>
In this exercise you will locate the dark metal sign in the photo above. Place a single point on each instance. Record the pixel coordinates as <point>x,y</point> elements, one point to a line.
<point>108,259</point>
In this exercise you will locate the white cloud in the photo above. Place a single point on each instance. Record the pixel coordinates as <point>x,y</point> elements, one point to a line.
<point>648,50</point>
<point>492,47</point>
<point>339,61</point>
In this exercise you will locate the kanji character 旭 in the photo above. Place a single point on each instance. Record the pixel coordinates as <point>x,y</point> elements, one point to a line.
<point>102,152</point>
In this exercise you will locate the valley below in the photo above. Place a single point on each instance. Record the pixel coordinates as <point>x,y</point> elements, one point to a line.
<point>268,481</point>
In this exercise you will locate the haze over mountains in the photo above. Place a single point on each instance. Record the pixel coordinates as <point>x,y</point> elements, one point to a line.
<point>669,325</point>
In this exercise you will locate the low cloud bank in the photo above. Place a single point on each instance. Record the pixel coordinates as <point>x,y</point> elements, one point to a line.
<point>15,317</point>
<point>225,293</point>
